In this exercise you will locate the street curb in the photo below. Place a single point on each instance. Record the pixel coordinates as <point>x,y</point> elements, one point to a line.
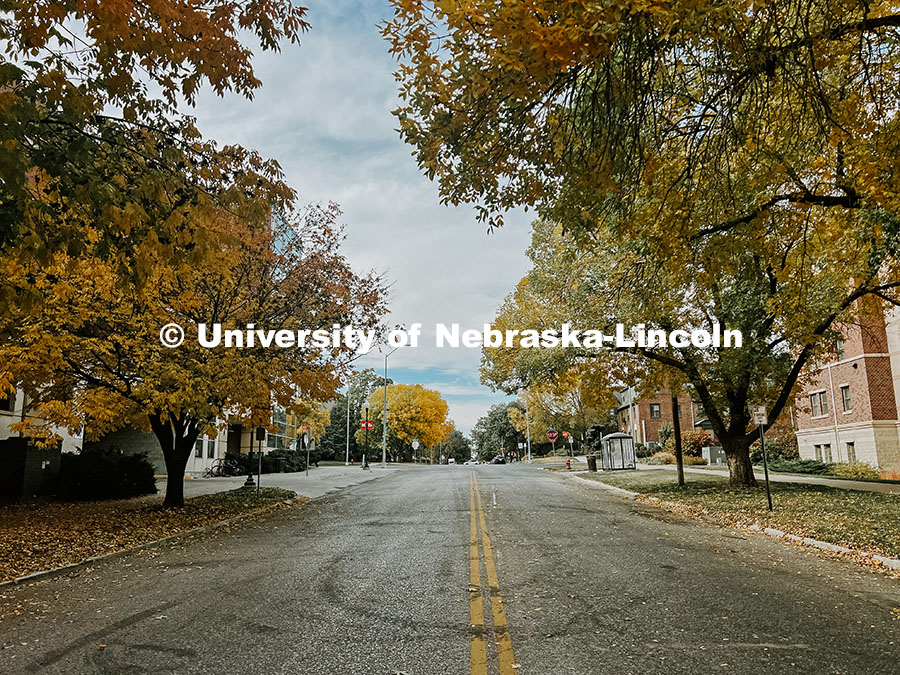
<point>890,563</point>
<point>87,562</point>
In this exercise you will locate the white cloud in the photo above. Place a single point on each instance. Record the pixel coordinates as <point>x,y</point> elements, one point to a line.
<point>324,113</point>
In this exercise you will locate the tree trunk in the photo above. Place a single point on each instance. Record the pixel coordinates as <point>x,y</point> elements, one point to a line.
<point>175,465</point>
<point>740,469</point>
<point>176,439</point>
<point>676,426</point>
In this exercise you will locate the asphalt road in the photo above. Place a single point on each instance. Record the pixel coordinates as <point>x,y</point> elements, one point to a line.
<point>423,571</point>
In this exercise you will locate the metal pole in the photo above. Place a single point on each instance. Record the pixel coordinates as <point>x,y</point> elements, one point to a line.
<point>762,440</point>
<point>259,469</point>
<point>384,418</point>
<point>347,457</point>
<point>527,427</point>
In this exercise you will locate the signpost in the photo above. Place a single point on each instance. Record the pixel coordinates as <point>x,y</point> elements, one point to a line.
<point>758,413</point>
<point>305,429</point>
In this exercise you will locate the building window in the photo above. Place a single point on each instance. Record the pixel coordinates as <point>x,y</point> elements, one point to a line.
<point>851,451</point>
<point>654,410</point>
<point>819,403</point>
<point>198,448</point>
<point>841,354</point>
<point>845,398</point>
<point>7,401</point>
<point>818,453</point>
<point>287,432</point>
<point>678,407</point>
<point>211,448</point>
<point>826,453</point>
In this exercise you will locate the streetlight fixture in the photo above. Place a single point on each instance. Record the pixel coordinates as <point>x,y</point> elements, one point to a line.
<point>260,437</point>
<point>347,457</point>
<point>415,446</point>
<point>365,464</point>
<point>527,427</point>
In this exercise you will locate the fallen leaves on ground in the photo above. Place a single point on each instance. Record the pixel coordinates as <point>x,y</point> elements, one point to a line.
<point>864,521</point>
<point>35,537</point>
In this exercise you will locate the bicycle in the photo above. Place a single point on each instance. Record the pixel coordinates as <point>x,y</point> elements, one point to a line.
<point>222,467</point>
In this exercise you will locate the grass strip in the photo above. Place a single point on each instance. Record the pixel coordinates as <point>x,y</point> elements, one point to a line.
<point>865,521</point>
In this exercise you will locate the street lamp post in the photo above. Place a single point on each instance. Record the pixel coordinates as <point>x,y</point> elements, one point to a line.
<point>385,414</point>
<point>365,464</point>
<point>260,437</point>
<point>527,427</point>
<point>250,482</point>
<point>347,457</point>
<point>415,446</point>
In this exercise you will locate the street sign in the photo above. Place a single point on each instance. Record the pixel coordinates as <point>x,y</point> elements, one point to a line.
<point>367,424</point>
<point>759,414</point>
<point>552,435</point>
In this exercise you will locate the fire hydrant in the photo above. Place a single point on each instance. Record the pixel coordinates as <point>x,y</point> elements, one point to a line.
<point>568,463</point>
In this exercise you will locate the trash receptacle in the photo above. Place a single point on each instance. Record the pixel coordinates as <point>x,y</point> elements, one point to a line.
<point>592,463</point>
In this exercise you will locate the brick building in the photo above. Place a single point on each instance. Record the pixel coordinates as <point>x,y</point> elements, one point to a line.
<point>642,416</point>
<point>651,412</point>
<point>849,410</point>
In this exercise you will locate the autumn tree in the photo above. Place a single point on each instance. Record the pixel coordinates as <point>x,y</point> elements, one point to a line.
<point>90,124</point>
<point>92,356</point>
<point>495,434</point>
<point>724,164</point>
<point>457,446</point>
<point>360,385</point>
<point>414,412</point>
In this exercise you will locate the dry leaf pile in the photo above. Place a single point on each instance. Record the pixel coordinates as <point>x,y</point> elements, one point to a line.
<point>35,537</point>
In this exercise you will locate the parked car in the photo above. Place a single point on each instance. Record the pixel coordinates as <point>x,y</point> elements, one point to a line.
<point>451,461</point>
<point>499,459</point>
<point>471,461</point>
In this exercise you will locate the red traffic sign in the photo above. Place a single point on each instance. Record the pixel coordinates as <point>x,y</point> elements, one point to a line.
<point>552,435</point>
<point>367,424</point>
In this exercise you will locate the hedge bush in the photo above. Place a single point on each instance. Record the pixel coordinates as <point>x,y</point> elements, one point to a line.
<point>692,443</point>
<point>662,458</point>
<point>295,460</point>
<point>690,460</point>
<point>108,473</point>
<point>811,466</point>
<point>854,470</point>
<point>779,447</point>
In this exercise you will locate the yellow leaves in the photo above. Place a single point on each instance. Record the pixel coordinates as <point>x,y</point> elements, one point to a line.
<point>413,413</point>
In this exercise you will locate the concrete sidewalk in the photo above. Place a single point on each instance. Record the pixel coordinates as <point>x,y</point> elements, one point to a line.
<point>320,481</point>
<point>841,483</point>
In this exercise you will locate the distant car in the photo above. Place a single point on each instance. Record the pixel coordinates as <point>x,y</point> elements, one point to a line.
<point>451,461</point>
<point>499,459</point>
<point>471,461</point>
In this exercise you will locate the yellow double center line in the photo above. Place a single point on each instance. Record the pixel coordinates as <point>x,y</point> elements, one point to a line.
<point>478,653</point>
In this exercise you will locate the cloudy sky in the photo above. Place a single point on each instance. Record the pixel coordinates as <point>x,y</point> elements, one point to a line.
<point>324,113</point>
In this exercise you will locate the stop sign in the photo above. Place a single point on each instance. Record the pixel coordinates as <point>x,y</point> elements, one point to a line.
<point>552,435</point>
